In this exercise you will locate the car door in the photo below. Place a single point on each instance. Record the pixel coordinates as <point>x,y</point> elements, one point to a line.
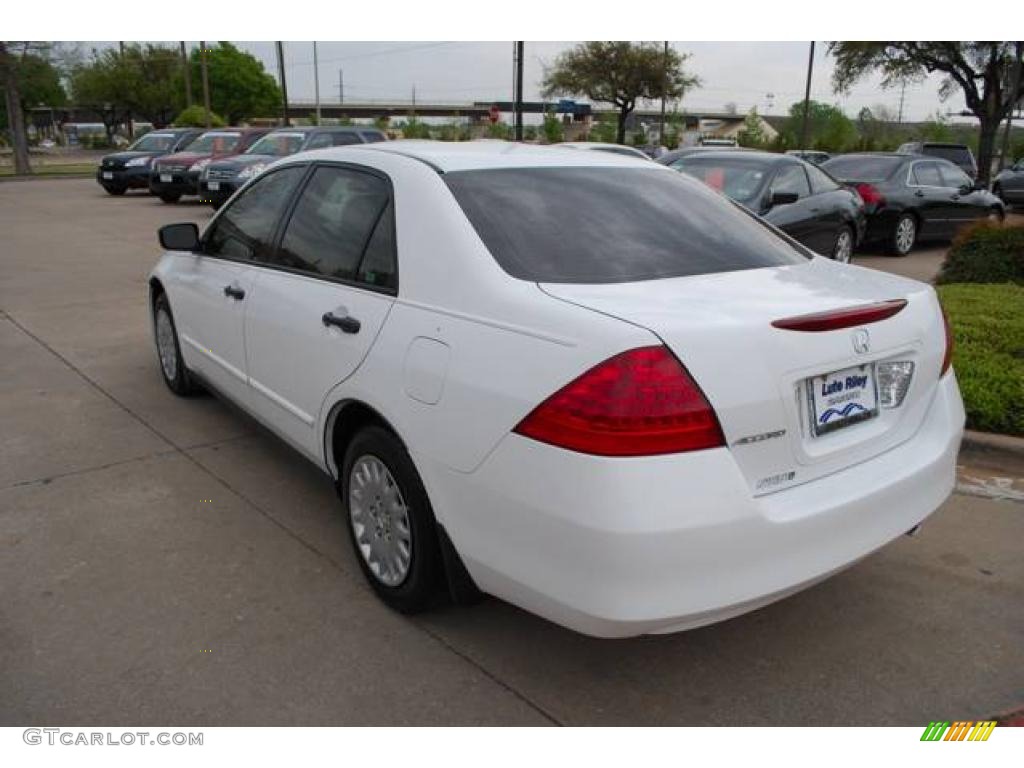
<point>965,203</point>
<point>321,297</point>
<point>832,203</point>
<point>799,220</point>
<point>930,198</point>
<point>212,287</point>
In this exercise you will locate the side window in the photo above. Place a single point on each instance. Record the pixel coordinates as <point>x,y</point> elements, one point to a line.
<point>371,137</point>
<point>378,266</point>
<point>792,179</point>
<point>334,221</point>
<point>820,181</point>
<point>953,176</point>
<point>927,175</point>
<point>343,138</point>
<point>245,229</point>
<point>319,141</point>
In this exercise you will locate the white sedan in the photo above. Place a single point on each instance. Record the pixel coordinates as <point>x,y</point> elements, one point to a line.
<point>583,383</point>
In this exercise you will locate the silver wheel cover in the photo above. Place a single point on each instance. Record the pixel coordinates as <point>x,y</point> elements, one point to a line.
<point>380,520</point>
<point>844,247</point>
<point>905,232</point>
<point>165,344</point>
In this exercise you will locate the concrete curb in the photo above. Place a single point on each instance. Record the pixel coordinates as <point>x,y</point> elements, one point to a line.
<point>986,442</point>
<point>48,176</point>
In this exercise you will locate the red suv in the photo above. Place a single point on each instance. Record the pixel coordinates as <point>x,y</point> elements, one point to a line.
<point>175,175</point>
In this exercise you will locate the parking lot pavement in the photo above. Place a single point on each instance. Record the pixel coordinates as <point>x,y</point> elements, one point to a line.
<point>166,560</point>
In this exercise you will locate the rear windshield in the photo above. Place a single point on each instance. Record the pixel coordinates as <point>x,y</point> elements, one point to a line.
<point>611,225</point>
<point>738,177</point>
<point>958,155</point>
<point>862,167</point>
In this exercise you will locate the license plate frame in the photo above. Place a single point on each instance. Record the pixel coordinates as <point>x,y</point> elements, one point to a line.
<point>166,178</point>
<point>108,174</point>
<point>839,399</point>
<point>213,186</point>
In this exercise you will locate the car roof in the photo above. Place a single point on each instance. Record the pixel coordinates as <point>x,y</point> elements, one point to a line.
<point>446,156</point>
<point>726,154</point>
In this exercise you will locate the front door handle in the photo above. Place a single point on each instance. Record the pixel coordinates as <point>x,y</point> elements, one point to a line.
<point>347,324</point>
<point>234,292</point>
<point>919,193</point>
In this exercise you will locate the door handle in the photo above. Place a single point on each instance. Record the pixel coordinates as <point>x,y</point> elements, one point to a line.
<point>919,193</point>
<point>347,324</point>
<point>235,293</point>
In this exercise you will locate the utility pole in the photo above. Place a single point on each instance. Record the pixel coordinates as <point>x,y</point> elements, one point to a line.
<point>130,124</point>
<point>807,99</point>
<point>187,74</point>
<point>206,81</point>
<point>284,84</point>
<point>316,83</point>
<point>903,91</point>
<point>341,86</point>
<point>1013,103</point>
<point>519,91</point>
<point>664,86</point>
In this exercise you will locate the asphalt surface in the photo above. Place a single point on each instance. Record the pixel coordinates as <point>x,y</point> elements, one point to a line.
<point>168,561</point>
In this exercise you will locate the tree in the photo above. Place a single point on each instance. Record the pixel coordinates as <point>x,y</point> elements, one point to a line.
<point>105,86</point>
<point>619,73</point>
<point>12,103</point>
<point>195,117</point>
<point>752,134</point>
<point>158,86</point>
<point>828,128</point>
<point>553,132</point>
<point>982,71</point>
<point>38,83</point>
<point>239,86</point>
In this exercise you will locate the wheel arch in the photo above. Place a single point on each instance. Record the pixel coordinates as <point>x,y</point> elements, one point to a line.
<point>347,417</point>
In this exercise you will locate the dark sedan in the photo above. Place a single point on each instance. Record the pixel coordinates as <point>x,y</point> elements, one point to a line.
<point>1008,186</point>
<point>913,197</point>
<point>129,169</point>
<point>178,174</point>
<point>794,195</point>
<point>221,178</point>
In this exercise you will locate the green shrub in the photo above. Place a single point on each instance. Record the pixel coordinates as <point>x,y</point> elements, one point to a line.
<point>499,131</point>
<point>985,253</point>
<point>988,353</point>
<point>552,128</point>
<point>195,117</point>
<point>414,129</point>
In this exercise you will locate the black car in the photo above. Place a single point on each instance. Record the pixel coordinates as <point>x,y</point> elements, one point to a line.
<point>130,169</point>
<point>913,197</point>
<point>958,154</point>
<point>672,157</point>
<point>794,195</point>
<point>221,178</point>
<point>1008,186</point>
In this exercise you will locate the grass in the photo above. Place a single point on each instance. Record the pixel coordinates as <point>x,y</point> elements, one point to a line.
<point>66,169</point>
<point>988,352</point>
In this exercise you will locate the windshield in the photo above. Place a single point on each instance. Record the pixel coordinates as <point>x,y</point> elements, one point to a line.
<point>862,167</point>
<point>739,178</point>
<point>154,142</point>
<point>611,225</point>
<point>278,144</point>
<point>214,143</point>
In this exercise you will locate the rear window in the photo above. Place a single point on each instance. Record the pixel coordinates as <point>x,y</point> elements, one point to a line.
<point>958,155</point>
<point>740,178</point>
<point>611,225</point>
<point>862,167</point>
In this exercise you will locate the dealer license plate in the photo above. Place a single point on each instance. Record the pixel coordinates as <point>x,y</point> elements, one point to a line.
<point>108,175</point>
<point>842,398</point>
<point>166,178</point>
<point>214,186</point>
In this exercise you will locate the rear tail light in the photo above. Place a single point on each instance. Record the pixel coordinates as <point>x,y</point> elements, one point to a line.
<point>637,403</point>
<point>842,318</point>
<point>947,358</point>
<point>869,194</point>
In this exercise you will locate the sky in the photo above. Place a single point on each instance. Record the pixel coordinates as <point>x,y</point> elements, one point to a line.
<point>769,75</point>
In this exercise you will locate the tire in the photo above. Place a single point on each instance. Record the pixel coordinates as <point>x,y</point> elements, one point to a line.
<point>116,191</point>
<point>397,548</point>
<point>842,249</point>
<point>170,197</point>
<point>996,215</point>
<point>903,236</point>
<point>168,350</point>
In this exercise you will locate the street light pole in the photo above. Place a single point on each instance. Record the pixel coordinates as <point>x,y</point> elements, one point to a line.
<point>284,84</point>
<point>664,85</point>
<point>206,80</point>
<point>316,83</point>
<point>519,91</point>
<point>807,99</point>
<point>187,75</point>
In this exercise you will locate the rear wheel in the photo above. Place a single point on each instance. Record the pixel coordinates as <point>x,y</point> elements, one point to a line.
<point>391,523</point>
<point>904,234</point>
<point>114,190</point>
<point>170,197</point>
<point>842,251</point>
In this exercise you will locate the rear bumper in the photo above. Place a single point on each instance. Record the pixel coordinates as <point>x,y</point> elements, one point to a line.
<point>127,178</point>
<point>620,547</point>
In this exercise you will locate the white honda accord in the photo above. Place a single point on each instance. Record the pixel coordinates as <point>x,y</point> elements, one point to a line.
<point>583,383</point>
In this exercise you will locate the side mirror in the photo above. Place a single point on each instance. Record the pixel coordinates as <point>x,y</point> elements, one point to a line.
<point>179,237</point>
<point>782,198</point>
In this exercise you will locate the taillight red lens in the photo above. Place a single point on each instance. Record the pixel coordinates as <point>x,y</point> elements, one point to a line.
<point>638,403</point>
<point>947,358</point>
<point>836,319</point>
<point>870,194</point>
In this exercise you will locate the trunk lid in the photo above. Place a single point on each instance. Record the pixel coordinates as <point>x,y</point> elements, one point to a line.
<point>756,376</point>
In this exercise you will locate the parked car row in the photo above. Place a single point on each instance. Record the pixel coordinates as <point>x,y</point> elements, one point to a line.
<point>212,164</point>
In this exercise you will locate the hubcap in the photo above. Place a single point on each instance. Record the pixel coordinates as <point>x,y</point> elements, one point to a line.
<point>380,520</point>
<point>905,231</point>
<point>165,344</point>
<point>844,246</point>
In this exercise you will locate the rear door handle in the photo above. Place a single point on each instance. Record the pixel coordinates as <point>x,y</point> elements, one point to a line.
<point>347,324</point>
<point>234,292</point>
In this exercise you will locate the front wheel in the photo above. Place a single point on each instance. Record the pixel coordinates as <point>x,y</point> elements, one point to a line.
<point>113,190</point>
<point>170,197</point>
<point>391,524</point>
<point>842,251</point>
<point>904,234</point>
